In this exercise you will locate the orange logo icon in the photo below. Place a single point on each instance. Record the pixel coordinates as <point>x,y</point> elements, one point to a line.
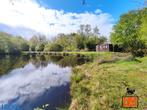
<point>130,102</point>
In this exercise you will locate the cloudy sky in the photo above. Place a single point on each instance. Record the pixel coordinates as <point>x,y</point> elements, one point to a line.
<point>50,17</point>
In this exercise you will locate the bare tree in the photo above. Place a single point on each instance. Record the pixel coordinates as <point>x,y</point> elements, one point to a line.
<point>96,31</point>
<point>87,29</point>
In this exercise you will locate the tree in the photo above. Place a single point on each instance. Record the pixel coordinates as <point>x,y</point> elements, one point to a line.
<point>81,29</point>
<point>96,31</point>
<point>33,43</point>
<point>12,44</point>
<point>127,33</point>
<point>37,43</point>
<point>21,43</point>
<point>87,29</point>
<point>101,40</point>
<point>144,25</point>
<point>40,47</point>
<point>91,43</point>
<point>79,42</point>
<point>54,47</point>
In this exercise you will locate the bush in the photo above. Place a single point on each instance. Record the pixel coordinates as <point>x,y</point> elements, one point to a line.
<point>40,47</point>
<point>32,48</point>
<point>24,47</point>
<point>53,47</point>
<point>138,53</point>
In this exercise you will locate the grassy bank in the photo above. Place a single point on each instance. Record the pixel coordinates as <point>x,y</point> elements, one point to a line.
<point>92,54</point>
<point>100,85</point>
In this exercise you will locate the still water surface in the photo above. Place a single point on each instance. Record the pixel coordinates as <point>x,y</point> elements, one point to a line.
<point>27,82</point>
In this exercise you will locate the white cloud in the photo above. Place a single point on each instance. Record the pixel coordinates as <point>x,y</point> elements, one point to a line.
<point>29,14</point>
<point>98,11</point>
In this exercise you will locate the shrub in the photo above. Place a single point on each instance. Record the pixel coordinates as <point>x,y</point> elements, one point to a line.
<point>53,47</point>
<point>40,47</point>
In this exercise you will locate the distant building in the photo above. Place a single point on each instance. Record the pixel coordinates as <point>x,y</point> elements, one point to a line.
<point>107,47</point>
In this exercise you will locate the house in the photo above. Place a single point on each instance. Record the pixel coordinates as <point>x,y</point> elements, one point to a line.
<point>107,47</point>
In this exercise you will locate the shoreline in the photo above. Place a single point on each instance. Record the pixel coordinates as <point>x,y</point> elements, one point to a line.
<point>101,86</point>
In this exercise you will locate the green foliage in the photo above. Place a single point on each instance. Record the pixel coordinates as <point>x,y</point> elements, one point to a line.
<point>86,39</point>
<point>21,43</point>
<point>53,47</point>
<point>144,25</point>
<point>130,32</point>
<point>12,45</point>
<point>66,41</point>
<point>91,43</point>
<point>9,62</point>
<point>102,39</point>
<point>78,77</point>
<point>40,47</point>
<point>37,43</point>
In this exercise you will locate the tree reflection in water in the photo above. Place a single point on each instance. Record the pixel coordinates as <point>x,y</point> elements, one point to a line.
<point>31,81</point>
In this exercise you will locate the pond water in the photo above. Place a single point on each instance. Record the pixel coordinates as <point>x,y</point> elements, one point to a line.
<point>27,82</point>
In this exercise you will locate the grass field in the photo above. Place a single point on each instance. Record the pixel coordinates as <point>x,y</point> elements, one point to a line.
<point>101,84</point>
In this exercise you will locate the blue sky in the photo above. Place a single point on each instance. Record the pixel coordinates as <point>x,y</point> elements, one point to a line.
<point>114,7</point>
<point>51,17</point>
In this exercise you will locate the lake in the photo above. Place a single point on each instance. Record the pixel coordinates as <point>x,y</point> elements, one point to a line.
<point>30,81</point>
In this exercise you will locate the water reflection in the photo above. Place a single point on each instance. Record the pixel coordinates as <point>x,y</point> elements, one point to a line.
<point>27,82</point>
<point>7,63</point>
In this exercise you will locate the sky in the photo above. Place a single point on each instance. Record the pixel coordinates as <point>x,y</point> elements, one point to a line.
<point>51,17</point>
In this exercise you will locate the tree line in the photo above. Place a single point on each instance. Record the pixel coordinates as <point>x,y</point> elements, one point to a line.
<point>10,44</point>
<point>85,39</point>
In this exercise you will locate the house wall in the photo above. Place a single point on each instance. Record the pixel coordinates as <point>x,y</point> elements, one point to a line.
<point>108,48</point>
<point>103,48</point>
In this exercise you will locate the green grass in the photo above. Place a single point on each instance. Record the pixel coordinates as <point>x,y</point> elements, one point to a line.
<point>101,84</point>
<point>89,54</point>
<point>76,52</point>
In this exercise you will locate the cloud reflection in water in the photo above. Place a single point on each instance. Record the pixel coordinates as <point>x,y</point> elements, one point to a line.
<point>28,83</point>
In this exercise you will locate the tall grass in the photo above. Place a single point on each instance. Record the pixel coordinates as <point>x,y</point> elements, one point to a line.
<point>101,85</point>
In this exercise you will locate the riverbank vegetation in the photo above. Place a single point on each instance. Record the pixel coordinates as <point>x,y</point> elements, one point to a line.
<point>101,84</point>
<point>12,45</point>
<point>85,39</point>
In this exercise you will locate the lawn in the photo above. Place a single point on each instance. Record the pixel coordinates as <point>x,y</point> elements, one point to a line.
<point>101,84</point>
